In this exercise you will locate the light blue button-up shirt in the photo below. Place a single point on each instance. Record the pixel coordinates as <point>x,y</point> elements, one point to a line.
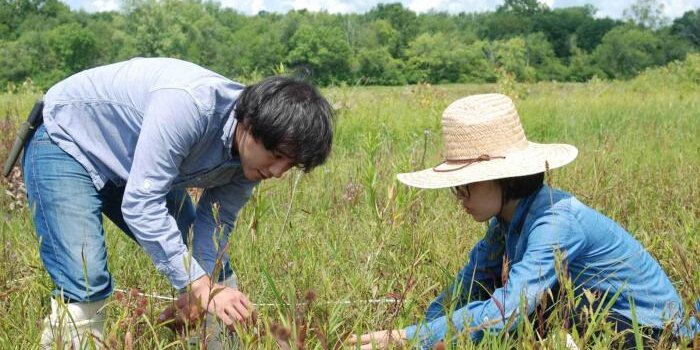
<point>599,254</point>
<point>152,124</point>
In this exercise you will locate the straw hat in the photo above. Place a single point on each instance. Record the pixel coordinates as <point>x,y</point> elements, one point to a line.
<point>484,140</point>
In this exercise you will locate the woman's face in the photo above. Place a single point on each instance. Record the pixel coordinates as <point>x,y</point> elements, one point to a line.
<point>482,200</point>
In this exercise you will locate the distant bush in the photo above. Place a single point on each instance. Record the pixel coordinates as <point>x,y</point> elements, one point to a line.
<point>675,73</point>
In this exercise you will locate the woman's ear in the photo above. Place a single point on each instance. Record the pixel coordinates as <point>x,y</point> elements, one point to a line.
<point>506,187</point>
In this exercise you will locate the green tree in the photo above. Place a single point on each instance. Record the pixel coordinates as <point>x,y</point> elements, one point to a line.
<point>159,27</point>
<point>505,25</point>
<point>30,56</point>
<point>401,19</point>
<point>436,58</point>
<point>148,24</point>
<point>17,16</point>
<point>626,50</point>
<point>390,44</point>
<point>540,55</point>
<point>582,66</point>
<point>646,13</point>
<point>75,47</point>
<point>256,45</point>
<point>522,7</point>
<point>512,56</point>
<point>433,22</point>
<point>671,47</point>
<point>17,61</point>
<point>480,63</point>
<point>590,33</point>
<point>321,51</point>
<point>512,18</point>
<point>561,25</point>
<point>110,27</point>
<point>377,66</point>
<point>688,27</point>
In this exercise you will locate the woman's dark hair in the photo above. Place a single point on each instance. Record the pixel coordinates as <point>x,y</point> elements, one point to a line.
<point>288,115</point>
<point>521,186</point>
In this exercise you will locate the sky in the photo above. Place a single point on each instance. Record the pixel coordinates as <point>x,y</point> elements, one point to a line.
<point>606,8</point>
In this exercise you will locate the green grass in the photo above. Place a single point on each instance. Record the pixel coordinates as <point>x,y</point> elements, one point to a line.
<point>352,232</point>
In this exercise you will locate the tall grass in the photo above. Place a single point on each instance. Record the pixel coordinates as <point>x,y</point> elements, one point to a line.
<point>354,233</point>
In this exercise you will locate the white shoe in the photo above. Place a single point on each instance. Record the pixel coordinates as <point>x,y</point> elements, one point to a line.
<point>73,326</point>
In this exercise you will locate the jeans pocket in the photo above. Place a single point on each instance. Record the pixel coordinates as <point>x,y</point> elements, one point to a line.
<point>40,135</point>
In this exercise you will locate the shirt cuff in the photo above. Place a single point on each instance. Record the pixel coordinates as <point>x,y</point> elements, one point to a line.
<point>414,336</point>
<point>183,269</point>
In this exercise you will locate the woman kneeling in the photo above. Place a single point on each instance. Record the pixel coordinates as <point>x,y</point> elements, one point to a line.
<point>536,236</point>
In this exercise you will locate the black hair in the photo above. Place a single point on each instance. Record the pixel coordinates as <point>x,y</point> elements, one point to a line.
<point>519,187</point>
<point>288,115</point>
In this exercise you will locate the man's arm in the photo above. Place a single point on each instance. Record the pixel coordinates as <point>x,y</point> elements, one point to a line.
<point>171,125</point>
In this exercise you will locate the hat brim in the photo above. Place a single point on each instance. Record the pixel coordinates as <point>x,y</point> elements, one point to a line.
<point>536,158</point>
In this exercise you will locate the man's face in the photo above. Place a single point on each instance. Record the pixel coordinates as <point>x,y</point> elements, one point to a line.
<point>259,163</point>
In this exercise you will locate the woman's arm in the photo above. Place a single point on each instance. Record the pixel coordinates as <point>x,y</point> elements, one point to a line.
<point>477,279</point>
<point>552,237</point>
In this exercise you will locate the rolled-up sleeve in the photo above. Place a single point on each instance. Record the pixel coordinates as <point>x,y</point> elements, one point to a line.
<point>528,279</point>
<point>172,124</point>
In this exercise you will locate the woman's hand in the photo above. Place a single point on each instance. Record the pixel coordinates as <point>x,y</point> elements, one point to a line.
<point>379,340</point>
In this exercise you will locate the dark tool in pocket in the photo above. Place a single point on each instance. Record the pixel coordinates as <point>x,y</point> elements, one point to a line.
<point>26,130</point>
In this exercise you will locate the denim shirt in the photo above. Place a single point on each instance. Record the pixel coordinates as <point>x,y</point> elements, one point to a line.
<point>152,124</point>
<point>599,254</point>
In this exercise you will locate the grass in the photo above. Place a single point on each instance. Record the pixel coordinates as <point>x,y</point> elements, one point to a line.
<point>349,231</point>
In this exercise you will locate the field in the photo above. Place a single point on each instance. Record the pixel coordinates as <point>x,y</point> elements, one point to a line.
<point>349,231</point>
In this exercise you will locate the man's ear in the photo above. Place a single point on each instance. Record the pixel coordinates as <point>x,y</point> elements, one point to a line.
<point>241,131</point>
<point>244,124</point>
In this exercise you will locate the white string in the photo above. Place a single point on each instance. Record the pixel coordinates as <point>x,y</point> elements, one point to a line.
<point>335,302</point>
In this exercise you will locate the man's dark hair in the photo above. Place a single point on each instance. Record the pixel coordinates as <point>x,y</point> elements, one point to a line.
<point>288,115</point>
<point>521,186</point>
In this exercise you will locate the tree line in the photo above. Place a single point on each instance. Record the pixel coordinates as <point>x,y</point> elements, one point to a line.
<point>45,41</point>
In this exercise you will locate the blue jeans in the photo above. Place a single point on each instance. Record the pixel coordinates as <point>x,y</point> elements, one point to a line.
<point>67,211</point>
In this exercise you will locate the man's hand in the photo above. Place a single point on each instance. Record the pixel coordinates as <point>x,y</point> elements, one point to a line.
<point>227,304</point>
<point>379,340</point>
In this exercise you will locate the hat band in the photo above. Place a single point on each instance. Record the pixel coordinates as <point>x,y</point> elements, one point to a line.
<point>467,162</point>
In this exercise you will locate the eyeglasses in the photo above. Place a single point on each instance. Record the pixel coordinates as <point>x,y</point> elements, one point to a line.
<point>461,192</point>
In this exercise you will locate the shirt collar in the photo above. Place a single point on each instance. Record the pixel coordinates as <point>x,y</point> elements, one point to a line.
<point>229,129</point>
<point>521,211</point>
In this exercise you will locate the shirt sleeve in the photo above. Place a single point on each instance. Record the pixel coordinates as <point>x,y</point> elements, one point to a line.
<point>216,214</point>
<point>480,274</point>
<point>172,124</point>
<point>527,279</point>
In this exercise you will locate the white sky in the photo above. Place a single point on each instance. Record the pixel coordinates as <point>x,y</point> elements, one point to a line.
<point>606,8</point>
